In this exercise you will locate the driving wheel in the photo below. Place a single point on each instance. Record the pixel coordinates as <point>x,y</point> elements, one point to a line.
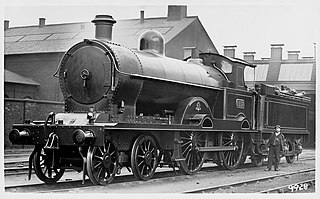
<point>232,159</point>
<point>193,158</point>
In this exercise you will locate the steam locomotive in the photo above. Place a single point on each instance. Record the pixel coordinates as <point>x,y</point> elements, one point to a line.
<point>140,109</point>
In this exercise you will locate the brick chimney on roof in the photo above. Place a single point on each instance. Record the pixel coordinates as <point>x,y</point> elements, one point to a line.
<point>248,56</point>
<point>176,12</point>
<point>276,51</point>
<point>6,25</point>
<point>229,51</point>
<point>42,22</point>
<point>141,16</point>
<point>293,55</point>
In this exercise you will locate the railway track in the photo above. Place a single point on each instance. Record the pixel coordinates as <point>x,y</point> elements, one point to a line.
<point>126,178</point>
<point>62,186</point>
<point>253,181</point>
<point>21,167</point>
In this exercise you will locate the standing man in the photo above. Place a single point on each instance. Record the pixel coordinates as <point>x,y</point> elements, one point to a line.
<point>276,141</point>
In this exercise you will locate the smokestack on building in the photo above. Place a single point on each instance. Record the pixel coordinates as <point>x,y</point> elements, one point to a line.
<point>229,51</point>
<point>141,16</point>
<point>176,12</point>
<point>42,22</point>
<point>248,56</point>
<point>276,51</point>
<point>293,55</point>
<point>6,25</point>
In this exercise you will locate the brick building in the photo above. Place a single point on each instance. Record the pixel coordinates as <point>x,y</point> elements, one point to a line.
<point>34,52</point>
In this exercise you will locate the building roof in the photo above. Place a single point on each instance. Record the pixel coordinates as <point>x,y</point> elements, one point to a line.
<point>60,37</point>
<point>11,77</point>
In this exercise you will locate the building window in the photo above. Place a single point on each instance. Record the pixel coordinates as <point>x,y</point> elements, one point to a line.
<point>261,72</point>
<point>295,72</point>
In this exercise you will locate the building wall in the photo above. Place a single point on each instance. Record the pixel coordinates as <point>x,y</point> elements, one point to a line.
<point>193,36</point>
<point>21,91</point>
<point>39,67</point>
<point>16,111</point>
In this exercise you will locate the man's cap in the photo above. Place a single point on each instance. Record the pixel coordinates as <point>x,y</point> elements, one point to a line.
<point>278,126</point>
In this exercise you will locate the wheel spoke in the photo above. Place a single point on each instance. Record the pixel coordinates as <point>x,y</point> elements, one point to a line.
<point>45,170</point>
<point>101,152</point>
<point>108,149</point>
<point>97,165</point>
<point>139,164</point>
<point>143,167</point>
<point>186,149</point>
<point>227,143</point>
<point>98,157</point>
<point>184,144</point>
<point>142,149</point>
<point>148,148</point>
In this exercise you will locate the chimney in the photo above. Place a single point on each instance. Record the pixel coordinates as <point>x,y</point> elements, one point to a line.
<point>229,51</point>
<point>141,16</point>
<point>276,51</point>
<point>42,22</point>
<point>176,12</point>
<point>293,55</point>
<point>6,25</point>
<point>103,24</point>
<point>248,56</point>
<point>190,52</point>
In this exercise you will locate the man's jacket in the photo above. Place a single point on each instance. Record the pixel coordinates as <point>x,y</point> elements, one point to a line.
<point>276,140</point>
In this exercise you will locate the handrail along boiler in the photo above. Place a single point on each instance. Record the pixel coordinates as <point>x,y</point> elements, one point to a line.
<point>140,109</point>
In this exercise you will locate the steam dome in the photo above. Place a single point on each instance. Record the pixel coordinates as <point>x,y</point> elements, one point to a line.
<point>152,40</point>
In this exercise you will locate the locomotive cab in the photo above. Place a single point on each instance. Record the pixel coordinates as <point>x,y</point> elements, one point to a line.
<point>232,67</point>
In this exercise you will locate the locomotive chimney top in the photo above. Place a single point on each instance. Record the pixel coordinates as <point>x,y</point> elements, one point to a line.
<point>103,24</point>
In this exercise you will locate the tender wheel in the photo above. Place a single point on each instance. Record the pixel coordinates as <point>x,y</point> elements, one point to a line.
<point>189,148</point>
<point>232,159</point>
<point>290,159</point>
<point>102,163</point>
<point>144,157</point>
<point>42,163</point>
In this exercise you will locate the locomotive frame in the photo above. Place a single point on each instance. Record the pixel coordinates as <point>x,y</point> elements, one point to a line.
<point>145,110</point>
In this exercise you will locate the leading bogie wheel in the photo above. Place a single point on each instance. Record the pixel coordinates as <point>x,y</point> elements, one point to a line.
<point>232,159</point>
<point>193,158</point>
<point>144,157</point>
<point>102,163</point>
<point>45,171</point>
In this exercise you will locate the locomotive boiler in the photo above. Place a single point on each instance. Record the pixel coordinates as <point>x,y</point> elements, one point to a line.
<point>140,109</point>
